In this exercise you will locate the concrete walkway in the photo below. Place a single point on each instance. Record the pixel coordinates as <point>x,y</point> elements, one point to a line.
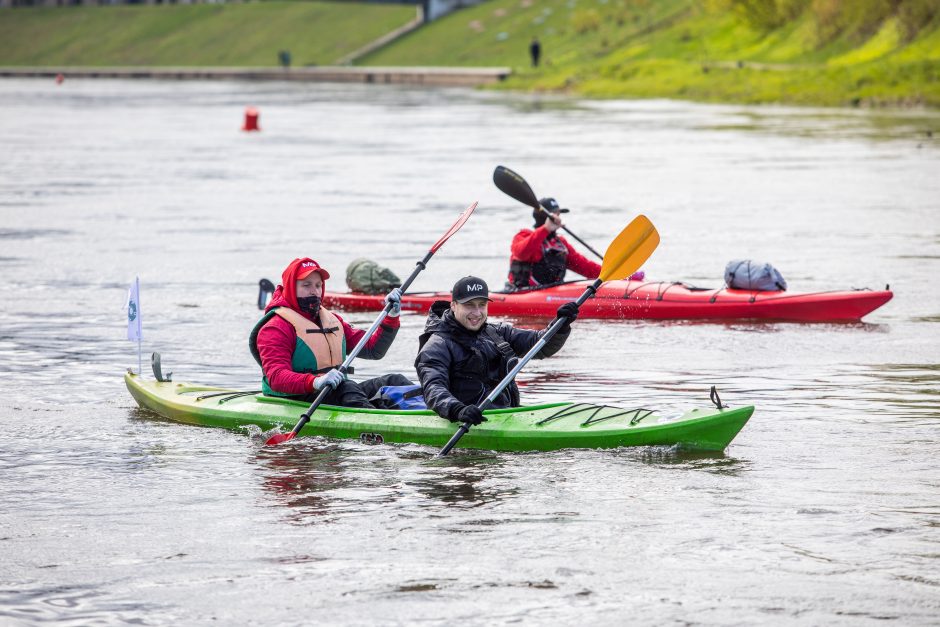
<point>384,40</point>
<point>432,76</point>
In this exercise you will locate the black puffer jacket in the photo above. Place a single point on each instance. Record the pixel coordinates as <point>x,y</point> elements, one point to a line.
<point>457,367</point>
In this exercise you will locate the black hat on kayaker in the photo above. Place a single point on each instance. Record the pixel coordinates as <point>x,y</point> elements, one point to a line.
<point>551,206</point>
<point>469,288</point>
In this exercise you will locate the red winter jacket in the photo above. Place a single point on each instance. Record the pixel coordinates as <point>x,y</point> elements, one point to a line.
<point>277,339</point>
<point>527,247</point>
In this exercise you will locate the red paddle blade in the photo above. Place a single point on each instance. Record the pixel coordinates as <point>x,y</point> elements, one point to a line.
<point>279,438</point>
<point>463,217</point>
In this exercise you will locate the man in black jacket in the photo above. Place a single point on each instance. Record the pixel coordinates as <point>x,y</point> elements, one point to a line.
<point>462,357</point>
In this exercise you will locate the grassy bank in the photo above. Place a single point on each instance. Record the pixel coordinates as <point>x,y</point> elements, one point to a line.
<point>825,52</point>
<point>316,33</point>
<point>856,52</point>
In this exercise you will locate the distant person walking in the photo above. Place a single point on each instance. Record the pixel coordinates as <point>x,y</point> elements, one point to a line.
<point>535,51</point>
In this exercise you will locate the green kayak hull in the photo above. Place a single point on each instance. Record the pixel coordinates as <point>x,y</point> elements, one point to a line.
<point>547,427</point>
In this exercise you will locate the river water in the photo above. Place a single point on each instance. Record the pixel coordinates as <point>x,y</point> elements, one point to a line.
<point>824,510</point>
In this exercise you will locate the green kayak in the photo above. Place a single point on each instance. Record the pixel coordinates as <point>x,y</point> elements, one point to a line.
<point>547,427</point>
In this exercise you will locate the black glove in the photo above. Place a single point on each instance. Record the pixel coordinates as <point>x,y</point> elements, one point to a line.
<point>569,312</point>
<point>471,414</point>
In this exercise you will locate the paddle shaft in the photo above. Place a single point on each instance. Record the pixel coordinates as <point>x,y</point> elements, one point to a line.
<point>568,231</point>
<point>550,332</point>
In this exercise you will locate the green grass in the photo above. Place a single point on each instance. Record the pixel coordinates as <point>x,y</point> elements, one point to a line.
<point>193,35</point>
<point>498,32</point>
<point>679,49</point>
<point>692,49</point>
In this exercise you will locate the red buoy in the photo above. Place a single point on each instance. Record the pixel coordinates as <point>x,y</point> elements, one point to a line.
<point>251,120</point>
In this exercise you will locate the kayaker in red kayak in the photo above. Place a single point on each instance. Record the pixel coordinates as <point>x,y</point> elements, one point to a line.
<point>299,344</point>
<point>541,256</point>
<point>462,357</point>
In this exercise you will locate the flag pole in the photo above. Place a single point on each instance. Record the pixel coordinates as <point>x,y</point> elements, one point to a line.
<point>140,367</point>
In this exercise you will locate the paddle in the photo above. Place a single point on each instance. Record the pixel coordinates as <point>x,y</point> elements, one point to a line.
<point>279,438</point>
<point>626,253</point>
<point>512,184</point>
<point>265,290</point>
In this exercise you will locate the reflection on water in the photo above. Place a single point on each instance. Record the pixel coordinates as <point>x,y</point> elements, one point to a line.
<point>302,476</point>
<point>464,480</point>
<point>70,605</point>
<point>319,482</point>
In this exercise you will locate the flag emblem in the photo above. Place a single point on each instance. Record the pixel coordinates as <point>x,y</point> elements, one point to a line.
<point>134,329</point>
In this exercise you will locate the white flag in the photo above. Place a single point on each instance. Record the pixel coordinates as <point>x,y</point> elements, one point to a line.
<point>134,329</point>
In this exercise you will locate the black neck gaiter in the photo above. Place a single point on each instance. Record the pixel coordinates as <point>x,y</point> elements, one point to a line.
<point>310,305</point>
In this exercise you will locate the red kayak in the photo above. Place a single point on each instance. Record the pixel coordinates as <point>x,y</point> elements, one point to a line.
<point>632,300</point>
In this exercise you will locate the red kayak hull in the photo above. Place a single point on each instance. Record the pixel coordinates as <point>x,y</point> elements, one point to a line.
<point>636,300</point>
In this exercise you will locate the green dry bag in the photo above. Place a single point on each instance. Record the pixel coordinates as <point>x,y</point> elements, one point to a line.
<point>365,276</point>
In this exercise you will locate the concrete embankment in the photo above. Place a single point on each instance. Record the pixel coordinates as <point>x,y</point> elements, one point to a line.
<point>432,76</point>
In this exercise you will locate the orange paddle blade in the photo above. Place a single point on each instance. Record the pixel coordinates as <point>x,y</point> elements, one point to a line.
<point>630,249</point>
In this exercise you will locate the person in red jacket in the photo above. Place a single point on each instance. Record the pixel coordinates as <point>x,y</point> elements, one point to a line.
<point>299,344</point>
<point>541,256</point>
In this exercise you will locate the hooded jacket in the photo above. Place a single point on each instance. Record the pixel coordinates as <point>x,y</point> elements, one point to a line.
<point>545,256</point>
<point>458,367</point>
<point>274,342</point>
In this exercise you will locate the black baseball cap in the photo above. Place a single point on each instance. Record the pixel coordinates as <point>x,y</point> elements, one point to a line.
<point>552,205</point>
<point>469,288</point>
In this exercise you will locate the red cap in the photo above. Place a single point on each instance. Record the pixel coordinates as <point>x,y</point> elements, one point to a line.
<point>309,265</point>
<point>298,269</point>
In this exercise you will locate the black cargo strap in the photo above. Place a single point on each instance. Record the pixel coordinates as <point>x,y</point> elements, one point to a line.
<point>229,395</point>
<point>510,358</point>
<point>349,370</point>
<point>503,347</point>
<point>324,331</point>
<point>590,413</point>
<point>661,288</point>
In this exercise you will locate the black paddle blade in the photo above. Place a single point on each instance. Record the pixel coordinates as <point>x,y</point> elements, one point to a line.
<point>511,184</point>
